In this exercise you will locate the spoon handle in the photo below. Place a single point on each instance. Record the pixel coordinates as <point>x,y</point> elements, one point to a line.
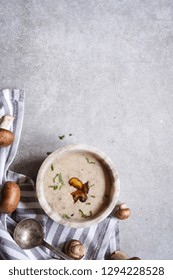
<point>56,251</point>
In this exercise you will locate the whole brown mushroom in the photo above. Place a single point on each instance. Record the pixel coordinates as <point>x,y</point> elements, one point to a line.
<point>10,197</point>
<point>75,249</point>
<point>122,212</point>
<point>6,136</point>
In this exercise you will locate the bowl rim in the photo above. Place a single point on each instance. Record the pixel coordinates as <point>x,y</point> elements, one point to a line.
<point>111,168</point>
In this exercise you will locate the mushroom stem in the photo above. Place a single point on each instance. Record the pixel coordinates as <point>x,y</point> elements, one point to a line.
<point>6,121</point>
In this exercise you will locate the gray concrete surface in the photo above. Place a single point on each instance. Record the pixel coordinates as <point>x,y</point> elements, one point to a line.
<point>101,70</point>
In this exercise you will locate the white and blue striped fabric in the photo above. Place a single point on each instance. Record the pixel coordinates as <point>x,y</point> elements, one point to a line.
<point>99,240</point>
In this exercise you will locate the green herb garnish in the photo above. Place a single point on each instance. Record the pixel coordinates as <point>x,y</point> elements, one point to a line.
<point>52,167</point>
<point>84,215</point>
<point>91,186</point>
<point>60,179</point>
<point>59,183</point>
<point>65,216</point>
<point>60,187</point>
<point>54,187</point>
<point>55,177</point>
<point>89,161</point>
<point>61,137</point>
<point>93,196</point>
<point>88,203</point>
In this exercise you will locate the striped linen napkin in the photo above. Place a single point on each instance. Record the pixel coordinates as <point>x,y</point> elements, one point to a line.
<point>99,240</point>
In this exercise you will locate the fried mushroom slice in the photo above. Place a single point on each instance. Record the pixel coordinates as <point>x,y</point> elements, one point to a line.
<point>79,195</point>
<point>85,188</point>
<point>76,183</point>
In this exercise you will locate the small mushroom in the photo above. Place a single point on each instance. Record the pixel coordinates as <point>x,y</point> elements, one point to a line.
<point>122,212</point>
<point>79,195</point>
<point>6,136</point>
<point>10,196</point>
<point>75,249</point>
<point>120,255</point>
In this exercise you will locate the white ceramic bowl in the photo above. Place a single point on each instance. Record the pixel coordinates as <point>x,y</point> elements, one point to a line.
<point>113,194</point>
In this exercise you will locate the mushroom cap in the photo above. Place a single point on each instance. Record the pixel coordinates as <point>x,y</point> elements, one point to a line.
<point>75,249</point>
<point>6,137</point>
<point>10,197</point>
<point>118,255</point>
<point>122,212</point>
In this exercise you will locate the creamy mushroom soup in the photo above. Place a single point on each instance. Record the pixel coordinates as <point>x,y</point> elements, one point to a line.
<point>77,186</point>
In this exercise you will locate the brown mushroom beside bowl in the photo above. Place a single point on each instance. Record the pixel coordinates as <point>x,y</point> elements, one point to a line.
<point>9,197</point>
<point>77,186</point>
<point>6,136</point>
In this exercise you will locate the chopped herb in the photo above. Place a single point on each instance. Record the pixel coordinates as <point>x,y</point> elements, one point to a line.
<point>60,187</point>
<point>65,216</point>
<point>90,162</point>
<point>61,137</point>
<point>55,177</point>
<point>91,186</point>
<point>54,187</point>
<point>88,203</point>
<point>52,167</point>
<point>93,196</point>
<point>60,182</point>
<point>84,215</point>
<point>60,179</point>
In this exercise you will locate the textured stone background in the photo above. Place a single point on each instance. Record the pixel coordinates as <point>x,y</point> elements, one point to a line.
<point>101,70</point>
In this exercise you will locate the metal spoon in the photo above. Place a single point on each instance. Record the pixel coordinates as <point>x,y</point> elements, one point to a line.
<point>29,234</point>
